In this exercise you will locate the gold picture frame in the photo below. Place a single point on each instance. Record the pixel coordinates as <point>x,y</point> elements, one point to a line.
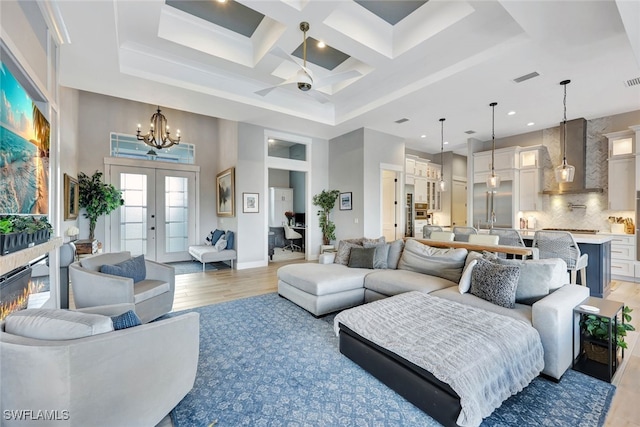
<point>226,193</point>
<point>71,197</point>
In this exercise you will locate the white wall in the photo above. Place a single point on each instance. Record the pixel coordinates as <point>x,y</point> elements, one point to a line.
<point>69,146</point>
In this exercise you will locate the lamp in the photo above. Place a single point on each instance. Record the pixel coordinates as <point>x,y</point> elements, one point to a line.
<point>493,181</point>
<point>159,136</point>
<point>564,172</point>
<point>442,184</point>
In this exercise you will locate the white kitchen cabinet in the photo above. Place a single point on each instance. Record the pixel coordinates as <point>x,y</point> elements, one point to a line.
<point>420,190</point>
<point>529,190</point>
<point>504,159</point>
<point>622,195</point>
<point>623,255</point>
<point>530,159</point>
<point>410,166</point>
<point>422,169</point>
<point>280,201</point>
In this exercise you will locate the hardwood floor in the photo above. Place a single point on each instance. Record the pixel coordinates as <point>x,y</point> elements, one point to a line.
<point>200,289</point>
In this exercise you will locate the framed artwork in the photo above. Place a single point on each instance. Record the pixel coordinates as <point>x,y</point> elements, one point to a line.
<point>226,193</point>
<point>345,201</point>
<point>71,197</point>
<point>250,202</point>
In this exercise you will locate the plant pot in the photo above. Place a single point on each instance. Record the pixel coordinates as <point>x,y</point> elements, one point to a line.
<point>598,352</point>
<point>13,242</point>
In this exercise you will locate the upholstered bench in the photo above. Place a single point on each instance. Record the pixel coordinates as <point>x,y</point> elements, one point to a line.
<point>322,288</point>
<point>206,253</point>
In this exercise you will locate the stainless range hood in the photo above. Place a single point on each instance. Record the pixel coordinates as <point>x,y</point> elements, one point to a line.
<point>577,156</point>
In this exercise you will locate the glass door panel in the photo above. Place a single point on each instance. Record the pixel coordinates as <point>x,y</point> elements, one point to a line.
<point>176,227</point>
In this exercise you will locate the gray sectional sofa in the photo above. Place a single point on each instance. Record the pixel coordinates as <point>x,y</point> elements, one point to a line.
<point>325,288</point>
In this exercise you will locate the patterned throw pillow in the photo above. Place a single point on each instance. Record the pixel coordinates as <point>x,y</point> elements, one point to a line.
<point>126,320</point>
<point>495,283</point>
<point>213,237</point>
<point>361,258</point>
<point>344,251</point>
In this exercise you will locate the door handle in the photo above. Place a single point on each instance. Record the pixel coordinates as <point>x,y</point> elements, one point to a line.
<point>153,228</point>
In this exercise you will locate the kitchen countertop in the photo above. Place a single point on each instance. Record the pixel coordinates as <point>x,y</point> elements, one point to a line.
<point>595,239</point>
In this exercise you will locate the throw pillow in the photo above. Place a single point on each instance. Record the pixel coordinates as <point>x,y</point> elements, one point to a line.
<point>440,262</point>
<point>361,257</point>
<point>221,244</point>
<point>379,241</point>
<point>126,320</point>
<point>344,250</point>
<point>395,252</point>
<point>536,277</point>
<point>214,236</point>
<point>133,268</point>
<point>381,253</point>
<point>495,283</point>
<point>230,236</point>
<point>465,281</point>
<point>55,324</point>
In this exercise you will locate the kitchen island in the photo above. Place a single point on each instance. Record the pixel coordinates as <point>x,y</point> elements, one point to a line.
<point>598,247</point>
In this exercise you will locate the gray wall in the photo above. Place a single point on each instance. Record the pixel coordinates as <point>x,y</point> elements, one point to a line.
<point>69,144</point>
<point>297,180</point>
<point>279,178</point>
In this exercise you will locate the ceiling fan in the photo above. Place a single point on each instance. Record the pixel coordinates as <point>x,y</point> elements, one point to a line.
<point>304,78</point>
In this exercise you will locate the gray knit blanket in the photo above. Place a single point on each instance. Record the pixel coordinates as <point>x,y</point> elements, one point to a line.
<point>484,357</point>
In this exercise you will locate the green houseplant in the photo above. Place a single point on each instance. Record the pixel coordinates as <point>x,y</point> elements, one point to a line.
<point>326,200</point>
<point>18,232</point>
<point>97,198</point>
<point>595,334</point>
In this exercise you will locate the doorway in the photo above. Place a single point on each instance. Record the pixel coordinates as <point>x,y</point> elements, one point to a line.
<point>158,218</point>
<point>391,214</point>
<point>459,203</point>
<point>287,196</point>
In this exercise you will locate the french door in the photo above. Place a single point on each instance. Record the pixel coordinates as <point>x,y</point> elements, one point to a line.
<point>158,218</point>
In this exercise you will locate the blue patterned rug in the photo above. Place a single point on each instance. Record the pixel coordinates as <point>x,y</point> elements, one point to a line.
<point>187,267</point>
<point>266,362</point>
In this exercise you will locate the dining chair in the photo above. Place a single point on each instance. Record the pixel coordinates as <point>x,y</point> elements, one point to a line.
<point>561,244</point>
<point>445,236</point>
<point>428,229</point>
<point>461,234</point>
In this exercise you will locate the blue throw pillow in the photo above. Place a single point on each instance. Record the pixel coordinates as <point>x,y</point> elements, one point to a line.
<point>133,268</point>
<point>126,320</point>
<point>214,236</point>
<point>230,236</point>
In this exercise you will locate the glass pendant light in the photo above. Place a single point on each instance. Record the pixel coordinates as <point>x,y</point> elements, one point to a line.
<point>564,172</point>
<point>442,184</point>
<point>493,181</point>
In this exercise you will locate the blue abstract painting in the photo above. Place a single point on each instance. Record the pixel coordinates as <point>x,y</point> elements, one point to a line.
<point>24,150</point>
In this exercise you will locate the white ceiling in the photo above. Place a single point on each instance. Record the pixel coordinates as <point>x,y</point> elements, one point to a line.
<point>447,59</point>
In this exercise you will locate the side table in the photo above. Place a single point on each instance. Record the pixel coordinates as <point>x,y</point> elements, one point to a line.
<point>596,358</point>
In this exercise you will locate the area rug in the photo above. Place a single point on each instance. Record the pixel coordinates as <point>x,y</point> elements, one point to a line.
<point>187,267</point>
<point>266,362</point>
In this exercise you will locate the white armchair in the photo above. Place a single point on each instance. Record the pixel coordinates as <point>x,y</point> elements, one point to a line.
<point>152,297</point>
<point>129,377</point>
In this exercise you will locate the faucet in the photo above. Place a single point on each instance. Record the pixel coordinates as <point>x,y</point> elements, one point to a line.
<point>492,220</point>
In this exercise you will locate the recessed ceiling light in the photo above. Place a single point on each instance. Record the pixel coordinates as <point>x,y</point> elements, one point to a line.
<point>446,142</point>
<point>271,140</point>
<point>321,44</point>
<point>530,124</point>
<point>511,113</point>
<point>222,1</point>
<point>423,136</point>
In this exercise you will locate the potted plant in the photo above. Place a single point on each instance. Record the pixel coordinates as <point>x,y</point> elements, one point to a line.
<point>326,200</point>
<point>595,334</point>
<point>21,231</point>
<point>97,198</point>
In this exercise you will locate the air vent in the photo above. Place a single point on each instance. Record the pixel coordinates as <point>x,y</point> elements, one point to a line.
<point>632,82</point>
<point>402,120</point>
<point>526,77</point>
<point>469,132</point>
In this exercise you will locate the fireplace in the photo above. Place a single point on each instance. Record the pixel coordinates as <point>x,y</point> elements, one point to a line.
<point>15,288</point>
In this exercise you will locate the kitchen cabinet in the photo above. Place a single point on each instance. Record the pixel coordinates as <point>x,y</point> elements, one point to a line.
<point>420,190</point>
<point>529,190</point>
<point>422,169</point>
<point>410,166</point>
<point>622,184</point>
<point>504,159</point>
<point>529,159</point>
<point>623,255</point>
<point>280,201</point>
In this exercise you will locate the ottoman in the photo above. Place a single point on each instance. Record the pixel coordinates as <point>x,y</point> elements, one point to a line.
<point>322,288</point>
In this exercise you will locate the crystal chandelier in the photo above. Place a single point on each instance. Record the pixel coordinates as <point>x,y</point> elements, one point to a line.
<point>564,172</point>
<point>442,184</point>
<point>159,136</point>
<point>493,181</point>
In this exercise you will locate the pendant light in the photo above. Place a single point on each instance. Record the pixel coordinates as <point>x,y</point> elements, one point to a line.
<point>442,184</point>
<point>493,181</point>
<point>564,172</point>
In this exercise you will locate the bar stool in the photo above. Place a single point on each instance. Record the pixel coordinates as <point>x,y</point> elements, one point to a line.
<point>561,244</point>
<point>507,237</point>
<point>483,239</point>
<point>461,234</point>
<point>445,236</point>
<point>428,229</point>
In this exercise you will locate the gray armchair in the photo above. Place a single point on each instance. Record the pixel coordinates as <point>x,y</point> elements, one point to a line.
<point>152,297</point>
<point>128,377</point>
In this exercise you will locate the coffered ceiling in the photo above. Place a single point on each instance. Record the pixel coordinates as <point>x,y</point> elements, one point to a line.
<point>415,60</point>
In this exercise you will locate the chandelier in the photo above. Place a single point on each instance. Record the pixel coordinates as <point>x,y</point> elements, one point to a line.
<point>158,136</point>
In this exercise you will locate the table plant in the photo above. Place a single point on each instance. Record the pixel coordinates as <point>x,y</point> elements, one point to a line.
<point>596,329</point>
